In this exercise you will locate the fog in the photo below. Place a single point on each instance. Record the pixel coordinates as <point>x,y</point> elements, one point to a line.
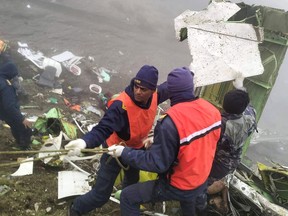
<point>143,32</point>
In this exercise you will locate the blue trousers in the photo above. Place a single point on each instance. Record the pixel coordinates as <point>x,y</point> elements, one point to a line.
<point>160,190</point>
<point>21,134</point>
<point>218,171</point>
<point>103,187</point>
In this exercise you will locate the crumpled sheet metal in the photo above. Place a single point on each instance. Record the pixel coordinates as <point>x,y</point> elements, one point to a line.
<point>221,50</point>
<point>215,12</point>
<point>260,201</point>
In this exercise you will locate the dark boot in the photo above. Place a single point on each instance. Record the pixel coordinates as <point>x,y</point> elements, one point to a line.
<point>72,212</point>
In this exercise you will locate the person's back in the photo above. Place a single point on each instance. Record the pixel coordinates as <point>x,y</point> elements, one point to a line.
<point>198,123</point>
<point>182,152</point>
<point>238,123</point>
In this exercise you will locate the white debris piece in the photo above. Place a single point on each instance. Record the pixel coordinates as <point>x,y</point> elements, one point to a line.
<point>220,50</point>
<point>260,201</point>
<point>63,56</point>
<point>215,12</point>
<point>25,168</point>
<point>50,145</point>
<point>72,183</point>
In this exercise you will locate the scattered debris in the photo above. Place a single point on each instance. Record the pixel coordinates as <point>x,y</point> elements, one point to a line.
<point>220,50</point>
<point>72,183</point>
<point>53,143</point>
<point>4,189</point>
<point>25,168</point>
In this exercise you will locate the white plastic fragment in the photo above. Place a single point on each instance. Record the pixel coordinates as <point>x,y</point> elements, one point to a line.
<point>25,168</point>
<point>64,56</point>
<point>94,88</point>
<point>72,183</point>
<point>36,58</point>
<point>49,145</point>
<point>53,63</point>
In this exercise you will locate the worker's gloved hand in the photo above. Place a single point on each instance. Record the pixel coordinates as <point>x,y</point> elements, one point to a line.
<point>27,123</point>
<point>75,146</point>
<point>148,142</point>
<point>3,46</point>
<point>115,150</point>
<point>238,82</point>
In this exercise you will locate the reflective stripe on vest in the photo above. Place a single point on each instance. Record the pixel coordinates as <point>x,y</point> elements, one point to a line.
<point>198,124</point>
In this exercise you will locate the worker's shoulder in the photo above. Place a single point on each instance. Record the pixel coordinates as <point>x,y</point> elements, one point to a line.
<point>4,83</point>
<point>118,105</point>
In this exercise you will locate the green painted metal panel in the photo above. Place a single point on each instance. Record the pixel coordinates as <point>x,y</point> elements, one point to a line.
<point>273,49</point>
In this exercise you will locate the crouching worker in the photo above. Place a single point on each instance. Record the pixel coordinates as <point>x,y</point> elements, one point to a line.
<point>128,119</point>
<point>238,123</point>
<point>182,153</point>
<point>10,109</point>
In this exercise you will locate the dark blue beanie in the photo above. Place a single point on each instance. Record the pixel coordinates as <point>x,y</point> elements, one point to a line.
<point>236,101</point>
<point>180,85</point>
<point>147,77</point>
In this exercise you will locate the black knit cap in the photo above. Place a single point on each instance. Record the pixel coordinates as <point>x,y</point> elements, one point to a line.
<point>147,77</point>
<point>236,101</point>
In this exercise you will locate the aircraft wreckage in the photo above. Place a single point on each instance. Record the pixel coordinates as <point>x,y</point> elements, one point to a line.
<point>224,40</point>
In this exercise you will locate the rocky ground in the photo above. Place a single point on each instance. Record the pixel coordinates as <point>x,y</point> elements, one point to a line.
<point>36,194</point>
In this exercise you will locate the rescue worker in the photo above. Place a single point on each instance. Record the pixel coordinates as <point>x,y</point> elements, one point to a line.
<point>6,63</point>
<point>128,119</point>
<point>238,123</point>
<point>182,152</point>
<point>10,109</point>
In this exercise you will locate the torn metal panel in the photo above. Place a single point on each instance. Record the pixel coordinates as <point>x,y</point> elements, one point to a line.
<point>25,168</point>
<point>72,183</point>
<point>215,12</point>
<point>275,180</point>
<point>220,50</point>
<point>264,205</point>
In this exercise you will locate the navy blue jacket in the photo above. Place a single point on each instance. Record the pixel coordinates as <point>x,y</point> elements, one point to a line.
<point>161,155</point>
<point>116,118</point>
<point>9,106</point>
<point>164,151</point>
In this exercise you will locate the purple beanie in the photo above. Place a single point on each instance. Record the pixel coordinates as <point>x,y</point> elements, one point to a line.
<point>147,77</point>
<point>180,81</point>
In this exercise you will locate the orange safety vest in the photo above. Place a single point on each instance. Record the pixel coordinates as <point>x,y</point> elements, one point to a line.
<point>198,124</point>
<point>140,121</point>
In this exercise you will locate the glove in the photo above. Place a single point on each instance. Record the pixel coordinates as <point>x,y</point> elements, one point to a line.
<point>115,150</point>
<point>238,82</point>
<point>148,142</point>
<point>75,146</point>
<point>3,46</point>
